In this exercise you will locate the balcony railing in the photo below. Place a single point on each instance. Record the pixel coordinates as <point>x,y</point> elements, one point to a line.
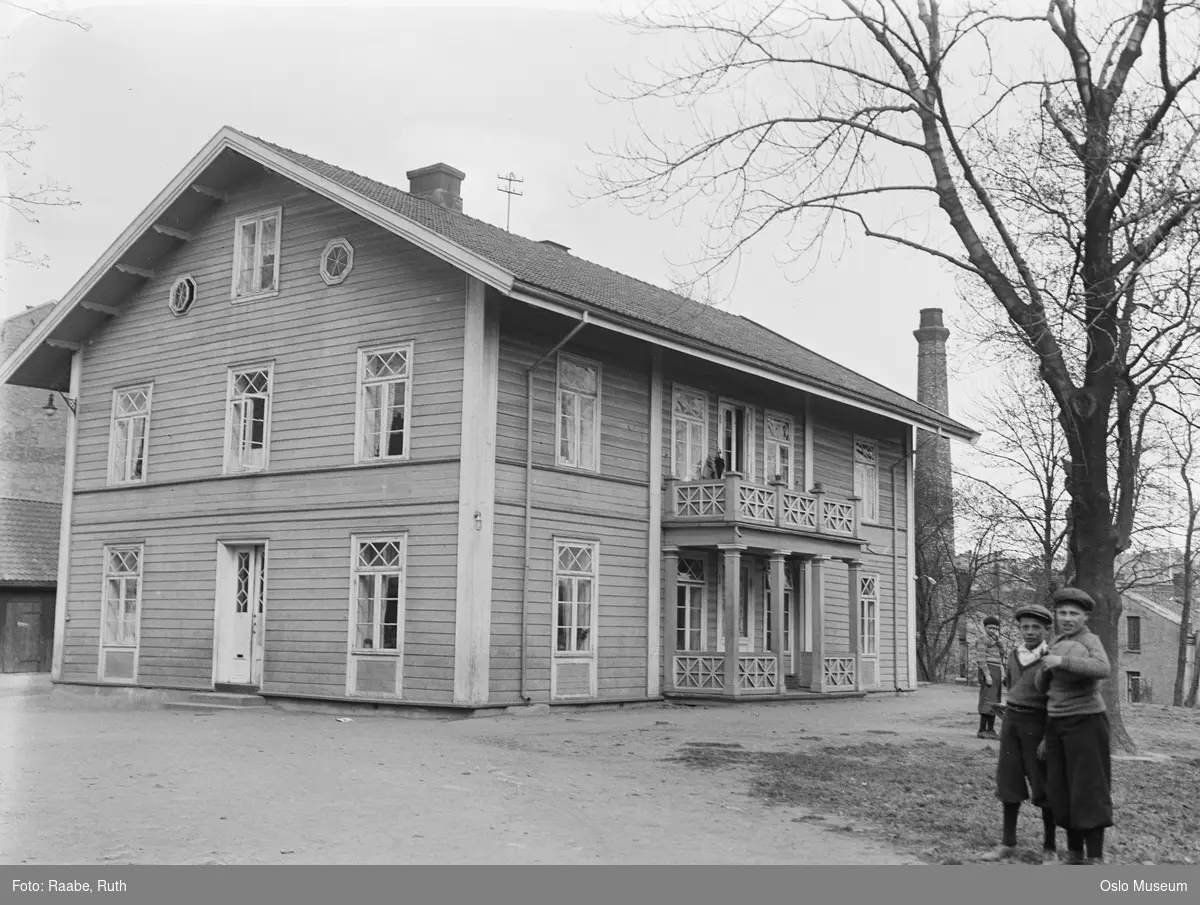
<point>731,499</point>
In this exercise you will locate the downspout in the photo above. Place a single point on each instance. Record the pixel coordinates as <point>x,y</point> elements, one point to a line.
<point>583,322</point>
<point>896,569</point>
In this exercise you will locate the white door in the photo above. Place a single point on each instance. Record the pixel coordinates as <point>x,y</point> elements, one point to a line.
<point>240,616</point>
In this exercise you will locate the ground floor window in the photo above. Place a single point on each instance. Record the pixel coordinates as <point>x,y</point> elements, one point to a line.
<point>789,596</point>
<point>575,570</point>
<point>379,593</point>
<point>122,595</point>
<point>1134,687</point>
<point>868,602</point>
<point>689,605</point>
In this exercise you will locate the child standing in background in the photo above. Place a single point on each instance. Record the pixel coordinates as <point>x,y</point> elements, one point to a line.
<point>989,661</point>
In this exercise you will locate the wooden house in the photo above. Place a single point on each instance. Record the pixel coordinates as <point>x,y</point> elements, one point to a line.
<point>330,439</point>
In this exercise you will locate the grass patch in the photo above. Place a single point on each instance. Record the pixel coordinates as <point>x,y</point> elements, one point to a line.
<point>937,800</point>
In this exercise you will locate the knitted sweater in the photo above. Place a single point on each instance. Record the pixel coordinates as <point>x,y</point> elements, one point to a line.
<point>1073,688</point>
<point>988,653</point>
<point>1023,693</point>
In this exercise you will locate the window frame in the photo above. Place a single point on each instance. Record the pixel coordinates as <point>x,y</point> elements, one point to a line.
<point>866,516</point>
<point>108,575</point>
<point>676,391</point>
<point>356,543</point>
<point>751,417</point>
<point>343,242</point>
<point>865,621</point>
<point>789,601</point>
<point>768,443</point>
<point>409,349</point>
<point>594,466</point>
<point>186,278</point>
<point>259,216</point>
<point>688,585</point>
<point>113,481</point>
<point>231,465</point>
<point>1129,646</point>
<point>594,575</point>
<point>1132,677</point>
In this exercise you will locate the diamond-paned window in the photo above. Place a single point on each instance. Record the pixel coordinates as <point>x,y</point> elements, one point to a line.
<point>336,261</point>
<point>122,593</point>
<point>384,401</point>
<point>249,419</point>
<point>129,435</point>
<point>868,601</point>
<point>183,293</point>
<point>379,608</point>
<point>691,569</point>
<point>574,596</point>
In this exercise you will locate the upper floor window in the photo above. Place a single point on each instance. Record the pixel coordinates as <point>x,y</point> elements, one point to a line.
<point>866,477</point>
<point>248,426</point>
<point>578,413</point>
<point>736,437</point>
<point>129,435</point>
<point>1133,633</point>
<point>256,255</point>
<point>689,422</point>
<point>384,399</point>
<point>778,448</point>
<point>336,261</point>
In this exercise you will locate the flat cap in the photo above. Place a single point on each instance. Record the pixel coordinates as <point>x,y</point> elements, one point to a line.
<point>1074,595</point>
<point>1037,611</point>
<point>990,620</point>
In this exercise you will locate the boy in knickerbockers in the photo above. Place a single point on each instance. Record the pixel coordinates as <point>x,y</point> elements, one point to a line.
<point>989,662</point>
<point>1021,773</point>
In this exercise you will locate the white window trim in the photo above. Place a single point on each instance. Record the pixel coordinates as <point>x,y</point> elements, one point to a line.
<point>768,442</point>
<point>866,517</point>
<point>703,586</point>
<point>112,435</point>
<point>359,459</point>
<point>277,213</point>
<point>676,390</point>
<point>862,637</point>
<point>356,540</point>
<point>137,644</point>
<point>724,403</point>
<point>596,418</point>
<point>589,654</point>
<point>329,246</point>
<point>230,465</point>
<point>188,278</point>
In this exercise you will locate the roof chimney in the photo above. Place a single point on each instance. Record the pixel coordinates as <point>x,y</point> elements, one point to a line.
<point>439,183</point>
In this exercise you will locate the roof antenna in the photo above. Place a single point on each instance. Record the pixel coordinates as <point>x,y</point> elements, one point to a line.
<point>510,191</point>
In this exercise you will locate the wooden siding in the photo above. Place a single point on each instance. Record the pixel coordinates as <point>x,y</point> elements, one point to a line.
<point>313,497</point>
<point>311,331</point>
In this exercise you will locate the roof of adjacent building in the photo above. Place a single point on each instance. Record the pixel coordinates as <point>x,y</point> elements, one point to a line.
<point>28,541</point>
<point>517,263</point>
<point>1168,610</point>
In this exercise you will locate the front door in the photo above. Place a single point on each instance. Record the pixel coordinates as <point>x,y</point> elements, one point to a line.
<point>22,647</point>
<point>239,633</point>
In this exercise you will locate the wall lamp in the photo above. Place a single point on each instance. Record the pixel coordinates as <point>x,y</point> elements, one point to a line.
<point>50,409</point>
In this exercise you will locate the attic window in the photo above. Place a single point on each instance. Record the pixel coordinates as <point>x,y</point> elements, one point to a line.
<point>183,293</point>
<point>336,261</point>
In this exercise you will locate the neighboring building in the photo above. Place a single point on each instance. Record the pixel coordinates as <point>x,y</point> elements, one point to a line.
<point>1149,639</point>
<point>341,441</point>
<point>31,475</point>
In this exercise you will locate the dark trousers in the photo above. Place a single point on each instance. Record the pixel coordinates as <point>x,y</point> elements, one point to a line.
<point>1020,775</point>
<point>1079,771</point>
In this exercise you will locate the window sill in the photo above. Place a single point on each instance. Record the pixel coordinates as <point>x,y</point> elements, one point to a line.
<point>384,460</point>
<point>382,654</point>
<point>580,469</point>
<point>137,483</point>
<point>239,299</point>
<point>568,655</point>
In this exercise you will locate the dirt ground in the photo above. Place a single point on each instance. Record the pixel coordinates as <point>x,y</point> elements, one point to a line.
<point>83,785</point>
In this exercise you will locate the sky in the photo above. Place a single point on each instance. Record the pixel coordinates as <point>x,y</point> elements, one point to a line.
<point>384,87</point>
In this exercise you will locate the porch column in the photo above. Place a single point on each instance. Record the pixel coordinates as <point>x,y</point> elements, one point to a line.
<point>670,556</point>
<point>853,568</point>
<point>816,567</point>
<point>778,563</point>
<point>733,584</point>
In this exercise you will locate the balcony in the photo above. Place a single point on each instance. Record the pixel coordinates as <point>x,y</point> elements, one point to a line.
<point>734,501</point>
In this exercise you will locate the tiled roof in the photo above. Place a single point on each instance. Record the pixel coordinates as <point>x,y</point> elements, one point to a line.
<point>561,272</point>
<point>28,541</point>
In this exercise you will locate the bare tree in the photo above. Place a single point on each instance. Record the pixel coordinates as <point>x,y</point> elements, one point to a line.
<point>23,192</point>
<point>1058,141</point>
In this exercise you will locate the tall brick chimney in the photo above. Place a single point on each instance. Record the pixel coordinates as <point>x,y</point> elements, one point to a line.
<point>932,485</point>
<point>439,183</point>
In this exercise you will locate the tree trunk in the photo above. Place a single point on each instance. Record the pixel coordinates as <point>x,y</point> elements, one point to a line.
<point>1182,650</point>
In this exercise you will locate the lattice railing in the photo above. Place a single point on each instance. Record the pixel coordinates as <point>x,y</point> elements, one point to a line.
<point>838,672</point>
<point>756,672</point>
<point>698,500</point>
<point>757,503</point>
<point>799,511</point>
<point>700,671</point>
<point>837,517</point>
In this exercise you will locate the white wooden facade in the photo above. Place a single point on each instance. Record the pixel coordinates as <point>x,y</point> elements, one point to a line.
<point>331,491</point>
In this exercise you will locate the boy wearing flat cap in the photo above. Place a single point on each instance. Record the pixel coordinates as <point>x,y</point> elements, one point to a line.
<point>1020,773</point>
<point>989,661</point>
<point>1078,756</point>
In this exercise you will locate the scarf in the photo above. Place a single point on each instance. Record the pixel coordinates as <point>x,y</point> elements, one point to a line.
<point>1025,656</point>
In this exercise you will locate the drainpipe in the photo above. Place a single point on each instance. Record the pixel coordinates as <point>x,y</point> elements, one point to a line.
<point>583,322</point>
<point>896,569</point>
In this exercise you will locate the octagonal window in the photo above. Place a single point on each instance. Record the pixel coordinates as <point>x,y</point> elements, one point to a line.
<point>336,261</point>
<point>183,294</point>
